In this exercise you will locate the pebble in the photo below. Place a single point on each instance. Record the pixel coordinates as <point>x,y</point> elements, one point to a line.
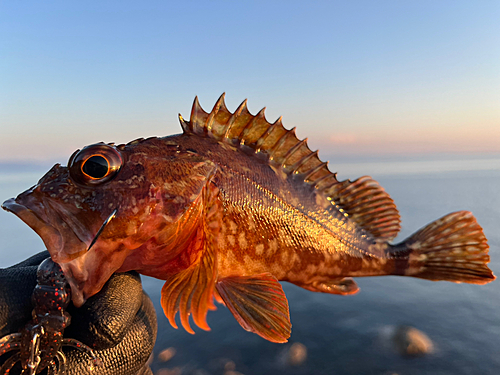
<point>412,342</point>
<point>230,366</point>
<point>294,355</point>
<point>297,354</point>
<point>169,371</point>
<point>167,354</point>
<point>200,371</point>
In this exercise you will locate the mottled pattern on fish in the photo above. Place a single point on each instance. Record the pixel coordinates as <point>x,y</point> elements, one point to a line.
<point>226,210</point>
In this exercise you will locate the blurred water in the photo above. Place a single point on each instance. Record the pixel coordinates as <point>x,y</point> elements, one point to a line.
<point>347,335</point>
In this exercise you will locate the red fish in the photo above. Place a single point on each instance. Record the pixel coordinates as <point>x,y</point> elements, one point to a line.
<point>226,210</point>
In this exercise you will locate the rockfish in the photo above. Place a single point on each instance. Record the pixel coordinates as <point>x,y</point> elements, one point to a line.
<point>225,211</point>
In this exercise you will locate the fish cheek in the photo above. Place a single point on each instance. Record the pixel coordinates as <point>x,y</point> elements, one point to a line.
<point>153,218</point>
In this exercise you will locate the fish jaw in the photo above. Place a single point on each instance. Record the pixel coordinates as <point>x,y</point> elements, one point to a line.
<point>55,209</point>
<point>50,236</point>
<point>88,273</point>
<point>66,247</point>
<point>62,242</point>
<point>66,226</point>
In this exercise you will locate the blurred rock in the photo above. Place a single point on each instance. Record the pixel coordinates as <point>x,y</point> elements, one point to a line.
<point>229,366</point>
<point>294,355</point>
<point>218,365</point>
<point>169,371</point>
<point>412,342</point>
<point>200,371</point>
<point>297,354</point>
<point>230,369</point>
<point>167,354</point>
<point>223,366</point>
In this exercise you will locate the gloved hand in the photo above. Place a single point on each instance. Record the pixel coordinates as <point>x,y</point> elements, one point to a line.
<point>119,322</point>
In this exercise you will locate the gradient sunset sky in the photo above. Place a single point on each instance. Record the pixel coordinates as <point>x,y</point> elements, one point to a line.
<point>356,77</point>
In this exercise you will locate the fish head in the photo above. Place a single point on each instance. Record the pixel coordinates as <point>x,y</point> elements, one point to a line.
<point>104,207</point>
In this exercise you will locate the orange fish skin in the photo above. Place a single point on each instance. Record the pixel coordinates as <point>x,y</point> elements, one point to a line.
<point>272,225</point>
<point>257,221</point>
<point>226,210</point>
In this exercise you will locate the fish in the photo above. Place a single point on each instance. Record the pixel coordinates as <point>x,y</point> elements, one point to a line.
<point>227,210</point>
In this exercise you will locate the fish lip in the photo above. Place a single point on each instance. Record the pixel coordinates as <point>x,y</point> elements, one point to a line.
<point>54,241</point>
<point>57,230</point>
<point>51,236</point>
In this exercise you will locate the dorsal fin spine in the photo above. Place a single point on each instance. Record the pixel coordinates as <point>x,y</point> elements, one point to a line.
<point>363,199</point>
<point>233,118</point>
<point>264,137</point>
<point>248,125</point>
<point>280,141</point>
<point>314,170</point>
<point>246,130</point>
<point>292,150</point>
<point>328,187</point>
<point>200,116</point>
<point>220,103</point>
<point>301,162</point>
<point>185,124</point>
<point>195,110</point>
<point>322,180</point>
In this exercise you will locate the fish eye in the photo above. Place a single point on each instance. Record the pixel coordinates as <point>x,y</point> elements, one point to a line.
<point>95,164</point>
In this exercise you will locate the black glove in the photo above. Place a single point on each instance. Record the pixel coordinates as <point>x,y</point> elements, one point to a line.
<point>119,322</point>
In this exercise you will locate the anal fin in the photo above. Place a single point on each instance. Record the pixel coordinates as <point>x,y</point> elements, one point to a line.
<point>344,286</point>
<point>259,304</point>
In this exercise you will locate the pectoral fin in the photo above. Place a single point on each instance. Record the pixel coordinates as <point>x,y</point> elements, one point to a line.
<point>191,291</point>
<point>259,304</point>
<point>342,286</point>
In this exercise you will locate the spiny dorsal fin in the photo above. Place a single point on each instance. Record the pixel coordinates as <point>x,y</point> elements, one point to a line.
<point>363,200</point>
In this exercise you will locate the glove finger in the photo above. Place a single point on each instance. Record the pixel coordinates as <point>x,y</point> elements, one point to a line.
<point>16,287</point>
<point>34,260</point>
<point>105,318</point>
<point>127,357</point>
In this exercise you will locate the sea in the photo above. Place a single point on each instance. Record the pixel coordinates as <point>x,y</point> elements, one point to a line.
<point>343,334</point>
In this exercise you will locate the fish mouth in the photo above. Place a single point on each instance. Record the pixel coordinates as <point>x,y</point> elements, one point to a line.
<point>62,241</point>
<point>66,239</point>
<point>50,236</point>
<point>68,235</point>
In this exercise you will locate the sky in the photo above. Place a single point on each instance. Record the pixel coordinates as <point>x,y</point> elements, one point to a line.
<point>355,77</point>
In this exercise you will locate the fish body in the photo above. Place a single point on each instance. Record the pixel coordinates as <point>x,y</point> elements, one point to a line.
<point>226,210</point>
<point>273,223</point>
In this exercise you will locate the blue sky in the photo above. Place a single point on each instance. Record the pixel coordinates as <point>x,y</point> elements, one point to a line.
<point>355,77</point>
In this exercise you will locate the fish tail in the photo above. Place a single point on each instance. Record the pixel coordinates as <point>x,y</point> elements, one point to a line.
<point>452,248</point>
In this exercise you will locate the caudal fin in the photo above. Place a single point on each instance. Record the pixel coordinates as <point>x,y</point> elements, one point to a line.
<point>452,248</point>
